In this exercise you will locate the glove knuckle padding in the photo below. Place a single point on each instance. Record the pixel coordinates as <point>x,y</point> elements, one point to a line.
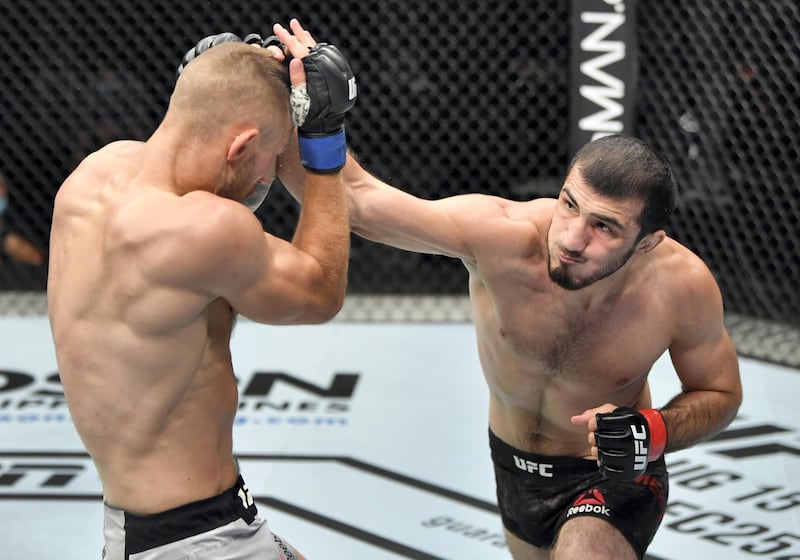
<point>225,37</point>
<point>623,439</point>
<point>206,43</point>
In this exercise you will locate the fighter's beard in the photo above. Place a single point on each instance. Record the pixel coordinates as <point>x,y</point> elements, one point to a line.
<point>561,276</point>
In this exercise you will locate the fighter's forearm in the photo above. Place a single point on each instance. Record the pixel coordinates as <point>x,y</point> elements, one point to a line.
<point>292,174</point>
<point>323,233</point>
<point>696,416</point>
<point>291,171</point>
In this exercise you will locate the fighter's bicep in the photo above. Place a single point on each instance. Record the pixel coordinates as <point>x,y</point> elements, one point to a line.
<point>447,226</point>
<point>701,351</point>
<point>218,248</point>
<point>287,288</point>
<point>710,363</point>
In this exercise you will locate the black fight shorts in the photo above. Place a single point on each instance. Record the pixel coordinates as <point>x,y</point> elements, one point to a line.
<point>537,494</point>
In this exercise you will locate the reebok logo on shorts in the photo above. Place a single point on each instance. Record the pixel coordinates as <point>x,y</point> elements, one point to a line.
<point>591,501</point>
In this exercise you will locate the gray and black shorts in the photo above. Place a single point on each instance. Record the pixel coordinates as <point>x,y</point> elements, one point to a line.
<point>223,527</point>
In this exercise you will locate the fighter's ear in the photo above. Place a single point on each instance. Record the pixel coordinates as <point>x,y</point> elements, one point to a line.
<point>650,241</point>
<point>240,143</point>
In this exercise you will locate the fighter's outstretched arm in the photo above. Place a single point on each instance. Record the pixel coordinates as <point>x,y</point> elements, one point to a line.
<point>456,226</point>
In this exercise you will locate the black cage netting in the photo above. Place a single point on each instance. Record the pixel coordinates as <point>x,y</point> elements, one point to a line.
<point>454,97</point>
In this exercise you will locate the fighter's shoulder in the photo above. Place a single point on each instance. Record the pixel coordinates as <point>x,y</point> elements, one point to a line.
<point>105,161</point>
<point>113,151</point>
<point>156,219</point>
<point>536,213</point>
<point>685,274</point>
<point>191,237</point>
<point>679,258</point>
<point>208,214</point>
<point>506,227</point>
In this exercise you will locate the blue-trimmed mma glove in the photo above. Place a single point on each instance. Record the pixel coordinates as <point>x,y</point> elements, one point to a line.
<point>627,440</point>
<point>319,106</point>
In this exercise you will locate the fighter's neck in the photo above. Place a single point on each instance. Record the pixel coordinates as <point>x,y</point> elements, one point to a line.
<point>180,166</point>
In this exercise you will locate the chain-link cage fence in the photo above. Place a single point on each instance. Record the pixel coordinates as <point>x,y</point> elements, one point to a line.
<point>454,97</point>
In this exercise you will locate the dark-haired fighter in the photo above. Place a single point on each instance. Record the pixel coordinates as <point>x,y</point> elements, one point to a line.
<point>573,301</point>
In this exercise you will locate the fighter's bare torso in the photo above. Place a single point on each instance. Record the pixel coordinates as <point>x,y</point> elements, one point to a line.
<point>548,353</point>
<point>154,397</point>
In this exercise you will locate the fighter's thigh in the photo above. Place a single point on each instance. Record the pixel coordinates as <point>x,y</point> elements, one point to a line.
<point>520,550</point>
<point>586,536</point>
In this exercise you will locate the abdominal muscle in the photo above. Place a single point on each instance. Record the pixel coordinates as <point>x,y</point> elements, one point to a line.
<point>546,361</point>
<point>537,426</point>
<point>532,411</point>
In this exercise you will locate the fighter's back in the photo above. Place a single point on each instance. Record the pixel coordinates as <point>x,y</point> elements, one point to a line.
<point>158,369</point>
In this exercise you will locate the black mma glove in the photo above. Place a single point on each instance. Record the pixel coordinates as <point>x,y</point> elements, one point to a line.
<point>271,41</point>
<point>627,440</point>
<point>204,44</point>
<point>318,108</point>
<point>213,40</point>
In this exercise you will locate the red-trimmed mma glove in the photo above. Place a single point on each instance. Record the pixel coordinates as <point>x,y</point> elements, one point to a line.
<point>319,106</point>
<point>627,440</point>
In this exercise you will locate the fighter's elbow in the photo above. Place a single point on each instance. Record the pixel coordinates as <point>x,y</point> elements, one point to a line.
<point>735,396</point>
<point>731,401</point>
<point>325,298</point>
<point>324,309</point>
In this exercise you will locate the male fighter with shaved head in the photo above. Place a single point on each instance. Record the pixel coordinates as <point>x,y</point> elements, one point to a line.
<point>154,250</point>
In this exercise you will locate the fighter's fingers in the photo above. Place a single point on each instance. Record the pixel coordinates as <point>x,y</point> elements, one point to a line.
<point>294,45</point>
<point>297,74</point>
<point>276,52</point>
<point>301,33</point>
<point>581,418</point>
<point>589,417</point>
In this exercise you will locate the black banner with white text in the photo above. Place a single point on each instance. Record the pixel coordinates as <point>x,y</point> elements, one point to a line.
<point>603,70</point>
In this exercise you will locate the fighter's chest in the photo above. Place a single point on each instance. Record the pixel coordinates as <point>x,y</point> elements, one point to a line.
<point>565,341</point>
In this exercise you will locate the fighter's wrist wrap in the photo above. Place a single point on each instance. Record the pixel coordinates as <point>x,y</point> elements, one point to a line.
<point>627,440</point>
<point>331,89</point>
<point>658,432</point>
<point>323,154</point>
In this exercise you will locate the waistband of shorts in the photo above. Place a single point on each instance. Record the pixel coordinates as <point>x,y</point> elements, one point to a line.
<point>143,532</point>
<point>532,466</point>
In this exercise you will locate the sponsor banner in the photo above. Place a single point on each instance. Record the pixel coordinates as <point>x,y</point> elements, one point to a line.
<point>372,439</point>
<point>603,70</point>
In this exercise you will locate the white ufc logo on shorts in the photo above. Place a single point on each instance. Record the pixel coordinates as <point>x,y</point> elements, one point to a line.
<point>542,469</point>
<point>245,496</point>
